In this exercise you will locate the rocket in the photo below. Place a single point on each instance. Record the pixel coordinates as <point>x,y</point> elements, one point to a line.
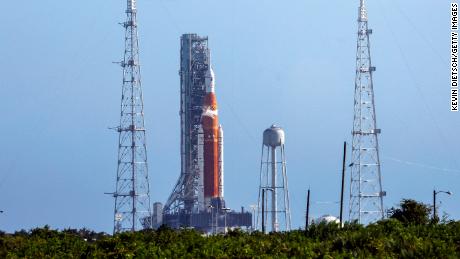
<point>212,147</point>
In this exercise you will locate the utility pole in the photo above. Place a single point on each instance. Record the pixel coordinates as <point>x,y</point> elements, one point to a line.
<point>307,215</point>
<point>343,182</point>
<point>434,205</point>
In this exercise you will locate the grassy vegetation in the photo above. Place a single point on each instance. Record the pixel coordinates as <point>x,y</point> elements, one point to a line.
<point>389,238</point>
<point>409,233</point>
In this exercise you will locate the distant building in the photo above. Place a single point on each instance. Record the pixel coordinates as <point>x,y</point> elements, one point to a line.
<point>326,219</point>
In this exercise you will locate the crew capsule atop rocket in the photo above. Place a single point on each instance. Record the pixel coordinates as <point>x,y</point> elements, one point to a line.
<point>212,149</point>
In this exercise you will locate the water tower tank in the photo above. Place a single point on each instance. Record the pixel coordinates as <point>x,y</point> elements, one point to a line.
<point>274,136</point>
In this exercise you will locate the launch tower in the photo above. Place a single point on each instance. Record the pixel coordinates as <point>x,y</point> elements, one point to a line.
<point>366,195</point>
<point>132,198</point>
<point>194,65</point>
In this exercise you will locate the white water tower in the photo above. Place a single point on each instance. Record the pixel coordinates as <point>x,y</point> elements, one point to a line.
<point>273,202</point>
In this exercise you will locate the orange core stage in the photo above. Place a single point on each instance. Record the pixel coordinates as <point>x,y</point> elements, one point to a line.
<point>210,123</point>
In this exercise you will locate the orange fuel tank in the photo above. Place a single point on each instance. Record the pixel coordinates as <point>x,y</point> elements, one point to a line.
<point>210,124</point>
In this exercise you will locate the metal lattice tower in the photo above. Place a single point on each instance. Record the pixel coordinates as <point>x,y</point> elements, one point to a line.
<point>132,198</point>
<point>195,61</point>
<point>273,206</point>
<point>366,195</point>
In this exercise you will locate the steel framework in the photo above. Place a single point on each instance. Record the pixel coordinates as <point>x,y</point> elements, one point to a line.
<point>132,198</point>
<point>273,201</point>
<point>366,195</point>
<point>194,64</point>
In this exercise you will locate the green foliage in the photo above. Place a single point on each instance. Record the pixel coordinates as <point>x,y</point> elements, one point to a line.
<point>411,212</point>
<point>388,238</point>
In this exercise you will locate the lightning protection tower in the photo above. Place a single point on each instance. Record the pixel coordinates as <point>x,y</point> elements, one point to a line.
<point>366,195</point>
<point>273,201</point>
<point>132,198</point>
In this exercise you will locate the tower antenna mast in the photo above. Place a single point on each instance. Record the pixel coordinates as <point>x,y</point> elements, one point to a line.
<point>132,195</point>
<point>366,195</point>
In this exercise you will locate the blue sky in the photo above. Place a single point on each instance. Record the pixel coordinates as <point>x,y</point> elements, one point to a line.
<point>288,62</point>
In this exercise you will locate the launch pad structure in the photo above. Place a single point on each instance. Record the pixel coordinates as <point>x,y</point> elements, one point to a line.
<point>197,200</point>
<point>193,66</point>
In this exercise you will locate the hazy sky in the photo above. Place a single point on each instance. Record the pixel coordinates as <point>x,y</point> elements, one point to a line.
<point>289,62</point>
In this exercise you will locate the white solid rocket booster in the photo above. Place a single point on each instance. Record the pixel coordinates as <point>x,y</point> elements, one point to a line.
<point>221,161</point>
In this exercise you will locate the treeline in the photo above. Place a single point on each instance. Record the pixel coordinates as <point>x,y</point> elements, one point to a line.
<point>389,238</point>
<point>404,235</point>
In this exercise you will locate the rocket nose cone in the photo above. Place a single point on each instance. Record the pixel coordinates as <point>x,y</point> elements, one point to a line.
<point>209,78</point>
<point>210,73</point>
